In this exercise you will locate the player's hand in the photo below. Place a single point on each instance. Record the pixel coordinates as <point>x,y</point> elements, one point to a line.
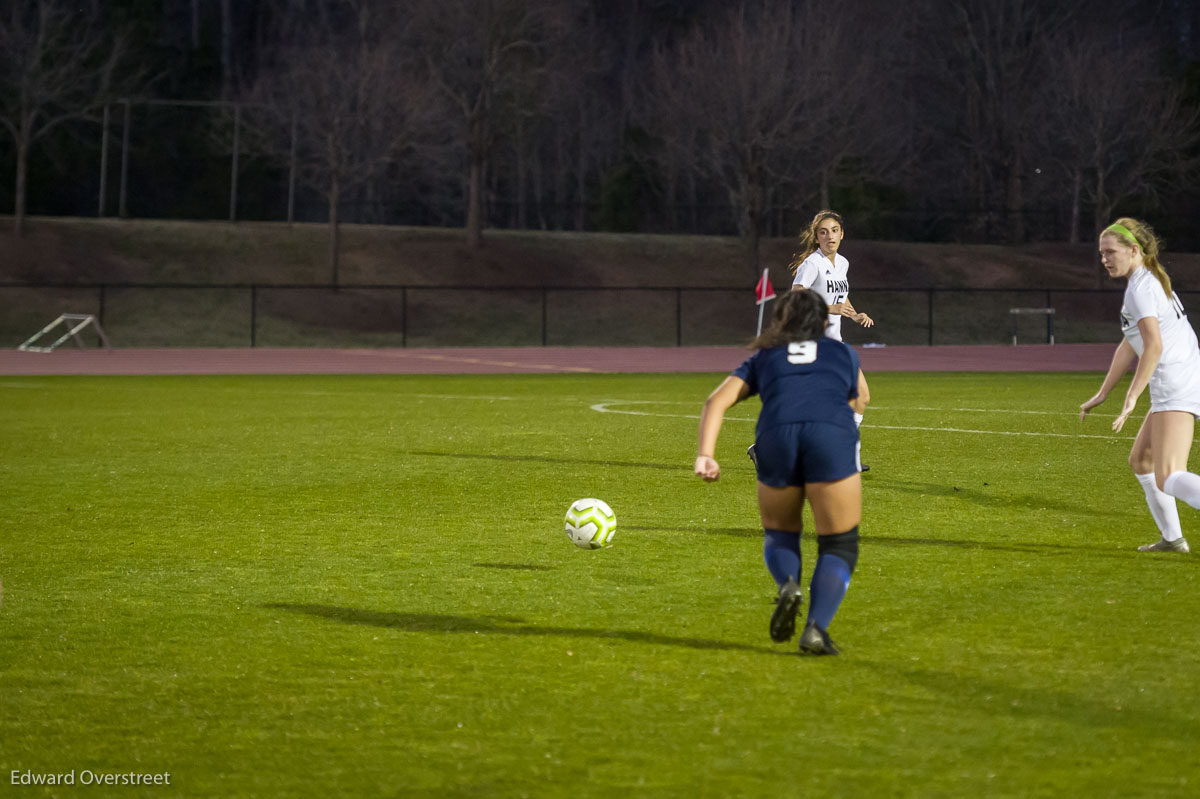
<point>1126,409</point>
<point>864,320</point>
<point>843,308</point>
<point>1095,400</point>
<point>708,468</point>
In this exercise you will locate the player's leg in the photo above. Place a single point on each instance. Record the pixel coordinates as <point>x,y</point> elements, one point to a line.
<point>863,400</point>
<point>781,512</point>
<point>837,512</point>
<point>859,405</point>
<point>1162,505</point>
<point>1170,442</point>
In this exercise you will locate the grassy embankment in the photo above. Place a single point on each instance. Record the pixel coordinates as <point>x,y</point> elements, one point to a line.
<point>486,308</point>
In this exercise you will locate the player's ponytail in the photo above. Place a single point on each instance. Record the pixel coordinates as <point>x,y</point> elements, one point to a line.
<point>800,315</point>
<point>808,239</point>
<point>1134,232</point>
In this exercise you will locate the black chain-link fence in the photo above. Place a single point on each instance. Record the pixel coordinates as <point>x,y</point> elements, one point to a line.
<point>244,315</point>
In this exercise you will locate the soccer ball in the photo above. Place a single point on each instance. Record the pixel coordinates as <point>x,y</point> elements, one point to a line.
<point>591,523</point>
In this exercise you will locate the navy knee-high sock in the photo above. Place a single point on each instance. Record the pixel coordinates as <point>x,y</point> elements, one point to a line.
<point>836,559</point>
<point>781,551</point>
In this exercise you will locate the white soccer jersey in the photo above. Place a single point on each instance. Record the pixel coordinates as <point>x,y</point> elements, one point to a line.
<point>829,280</point>
<point>1175,384</point>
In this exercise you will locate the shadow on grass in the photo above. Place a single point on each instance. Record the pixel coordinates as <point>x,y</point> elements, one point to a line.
<point>520,567</point>
<point>736,532</point>
<point>1033,548</point>
<point>1071,709</point>
<point>502,625</point>
<point>988,497</point>
<point>488,456</point>
<point>869,539</point>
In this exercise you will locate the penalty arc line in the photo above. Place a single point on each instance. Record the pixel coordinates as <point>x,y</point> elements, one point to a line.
<point>602,407</point>
<point>902,408</point>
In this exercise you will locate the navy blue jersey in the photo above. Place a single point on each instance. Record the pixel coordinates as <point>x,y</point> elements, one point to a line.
<point>805,381</point>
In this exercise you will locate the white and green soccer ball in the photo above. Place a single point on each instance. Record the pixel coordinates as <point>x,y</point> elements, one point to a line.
<point>591,523</point>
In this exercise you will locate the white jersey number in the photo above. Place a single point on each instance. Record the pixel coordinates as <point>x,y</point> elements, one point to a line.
<point>802,352</point>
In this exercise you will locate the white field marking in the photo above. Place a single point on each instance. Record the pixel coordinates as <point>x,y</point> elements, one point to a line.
<point>602,407</point>
<point>24,385</point>
<point>548,367</point>
<point>389,392</point>
<point>998,432</point>
<point>971,410</point>
<point>461,397</point>
<point>901,408</point>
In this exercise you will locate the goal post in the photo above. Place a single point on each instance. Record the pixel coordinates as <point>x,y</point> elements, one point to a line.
<point>74,323</point>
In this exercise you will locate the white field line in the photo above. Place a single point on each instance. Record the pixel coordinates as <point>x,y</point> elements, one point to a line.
<point>355,392</point>
<point>603,407</point>
<point>483,397</point>
<point>973,410</point>
<point>892,408</point>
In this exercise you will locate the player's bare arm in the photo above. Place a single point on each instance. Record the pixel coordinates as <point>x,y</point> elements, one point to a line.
<point>731,391</point>
<point>1122,359</point>
<point>1152,347</point>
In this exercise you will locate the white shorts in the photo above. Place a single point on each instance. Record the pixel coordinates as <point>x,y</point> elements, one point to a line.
<point>1176,387</point>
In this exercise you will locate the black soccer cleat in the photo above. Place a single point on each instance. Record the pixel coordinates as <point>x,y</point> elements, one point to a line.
<point>865,468</point>
<point>787,605</point>
<point>752,455</point>
<point>815,641</point>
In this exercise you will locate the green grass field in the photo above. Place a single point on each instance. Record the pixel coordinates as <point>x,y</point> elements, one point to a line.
<point>359,586</point>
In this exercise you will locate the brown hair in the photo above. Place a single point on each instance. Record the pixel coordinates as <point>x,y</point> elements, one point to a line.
<point>800,315</point>
<point>808,239</point>
<point>1149,244</point>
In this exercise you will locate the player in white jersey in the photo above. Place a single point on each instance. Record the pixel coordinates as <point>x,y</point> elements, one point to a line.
<point>1160,338</point>
<point>820,267</point>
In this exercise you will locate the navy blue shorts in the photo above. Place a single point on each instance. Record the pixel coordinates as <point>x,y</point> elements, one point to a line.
<point>806,452</point>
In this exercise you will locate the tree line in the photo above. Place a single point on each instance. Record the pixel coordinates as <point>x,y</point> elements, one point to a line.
<point>639,114</point>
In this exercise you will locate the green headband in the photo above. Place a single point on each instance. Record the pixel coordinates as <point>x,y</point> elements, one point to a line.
<point>1121,230</point>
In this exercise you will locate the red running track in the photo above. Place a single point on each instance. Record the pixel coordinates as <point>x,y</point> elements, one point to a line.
<point>531,360</point>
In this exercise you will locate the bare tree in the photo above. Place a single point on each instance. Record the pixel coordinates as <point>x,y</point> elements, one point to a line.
<point>1119,128</point>
<point>728,100</point>
<point>344,104</point>
<point>474,51</point>
<point>583,115</point>
<point>864,133</point>
<point>56,65</point>
<point>227,38</point>
<point>988,66</point>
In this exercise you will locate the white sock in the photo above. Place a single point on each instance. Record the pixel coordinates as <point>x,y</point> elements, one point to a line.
<point>1162,508</point>
<point>858,418</point>
<point>1185,486</point>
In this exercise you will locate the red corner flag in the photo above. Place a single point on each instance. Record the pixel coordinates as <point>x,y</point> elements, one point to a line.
<point>764,290</point>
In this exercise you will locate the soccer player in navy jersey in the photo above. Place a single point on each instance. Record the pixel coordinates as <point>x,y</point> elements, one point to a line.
<point>807,448</point>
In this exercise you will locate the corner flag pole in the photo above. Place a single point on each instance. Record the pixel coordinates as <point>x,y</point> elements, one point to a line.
<point>763,292</point>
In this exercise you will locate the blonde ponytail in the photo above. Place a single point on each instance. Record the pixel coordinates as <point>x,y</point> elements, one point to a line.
<point>1134,231</point>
